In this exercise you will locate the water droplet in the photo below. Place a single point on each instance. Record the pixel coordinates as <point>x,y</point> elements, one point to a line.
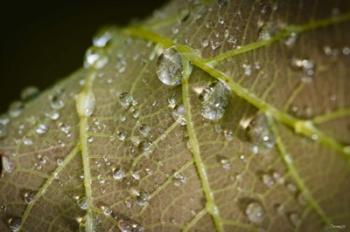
<point>16,109</point>
<point>118,174</point>
<point>41,129</point>
<point>14,223</point>
<point>255,212</point>
<point>53,115</point>
<point>259,132</point>
<point>179,179</point>
<point>29,93</point>
<point>290,41</point>
<point>102,38</point>
<point>82,202</point>
<point>205,43</point>
<point>86,103</point>
<point>121,135</point>
<point>267,179</point>
<point>215,99</point>
<point>56,102</point>
<point>142,199</point>
<point>27,141</point>
<point>247,68</point>
<point>144,130</point>
<point>4,121</point>
<point>179,114</point>
<point>7,164</point>
<point>306,65</point>
<point>128,225</point>
<point>28,196</point>
<point>126,100</point>
<point>224,162</point>
<point>172,102</point>
<point>95,57</point>
<point>169,70</point>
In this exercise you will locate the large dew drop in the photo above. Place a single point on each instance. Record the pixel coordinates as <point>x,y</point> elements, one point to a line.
<point>169,67</point>
<point>215,99</point>
<point>255,212</point>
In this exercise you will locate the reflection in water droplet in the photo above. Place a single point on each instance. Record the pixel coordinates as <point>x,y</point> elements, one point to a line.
<point>255,212</point>
<point>215,99</point>
<point>179,179</point>
<point>95,57</point>
<point>169,67</point>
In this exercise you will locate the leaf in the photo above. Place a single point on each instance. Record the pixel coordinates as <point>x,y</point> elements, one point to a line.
<point>208,116</point>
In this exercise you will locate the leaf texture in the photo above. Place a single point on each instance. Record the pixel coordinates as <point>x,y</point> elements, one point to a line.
<point>112,148</point>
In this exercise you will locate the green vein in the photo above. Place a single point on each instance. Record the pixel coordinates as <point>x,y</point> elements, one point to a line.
<point>194,220</point>
<point>47,184</point>
<point>340,113</point>
<point>83,136</point>
<point>288,161</point>
<point>300,126</point>
<point>287,31</point>
<point>211,206</point>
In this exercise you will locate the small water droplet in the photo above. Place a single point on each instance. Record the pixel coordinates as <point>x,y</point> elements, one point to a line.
<point>306,65</point>
<point>144,130</point>
<point>215,99</point>
<point>118,174</point>
<point>14,223</point>
<point>290,41</point>
<point>102,38</point>
<point>7,164</point>
<point>4,121</point>
<point>255,212</point>
<point>259,132</point>
<point>16,109</point>
<point>41,129</point>
<point>53,115</point>
<point>179,179</point>
<point>95,57</point>
<point>126,100</point>
<point>179,114</point>
<point>172,102</point>
<point>205,43</point>
<point>28,196</point>
<point>86,103</point>
<point>267,179</point>
<point>121,135</point>
<point>128,225</point>
<point>169,67</point>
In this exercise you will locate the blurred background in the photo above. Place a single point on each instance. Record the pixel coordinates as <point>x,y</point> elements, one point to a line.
<point>42,42</point>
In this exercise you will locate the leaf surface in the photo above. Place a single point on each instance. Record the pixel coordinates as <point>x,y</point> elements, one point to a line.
<point>113,148</point>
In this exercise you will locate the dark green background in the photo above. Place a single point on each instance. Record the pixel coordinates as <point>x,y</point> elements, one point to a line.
<point>43,42</point>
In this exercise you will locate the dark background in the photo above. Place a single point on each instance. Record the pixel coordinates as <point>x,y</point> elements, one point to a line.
<point>43,42</point>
